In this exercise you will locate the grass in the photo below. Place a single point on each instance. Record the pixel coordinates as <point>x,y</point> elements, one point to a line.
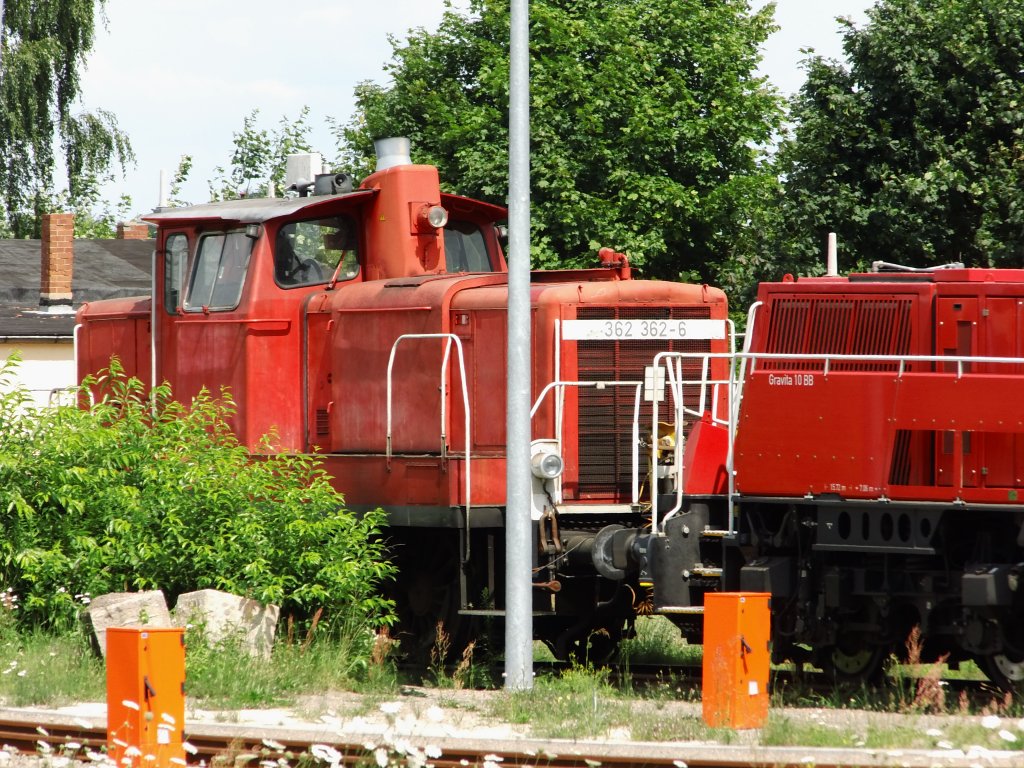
<point>39,669</point>
<point>224,677</point>
<point>658,641</point>
<point>581,702</point>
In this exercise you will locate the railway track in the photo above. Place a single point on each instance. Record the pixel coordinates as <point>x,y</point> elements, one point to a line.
<point>236,746</point>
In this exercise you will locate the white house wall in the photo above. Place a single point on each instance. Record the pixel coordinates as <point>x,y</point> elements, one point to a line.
<point>44,368</point>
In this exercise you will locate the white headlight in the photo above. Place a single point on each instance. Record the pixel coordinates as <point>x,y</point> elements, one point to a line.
<point>437,216</point>
<point>546,466</point>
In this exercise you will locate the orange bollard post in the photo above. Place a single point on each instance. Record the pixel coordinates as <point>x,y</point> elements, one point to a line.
<point>737,654</point>
<point>146,696</point>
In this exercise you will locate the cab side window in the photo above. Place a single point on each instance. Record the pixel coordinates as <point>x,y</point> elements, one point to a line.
<point>175,271</point>
<point>464,248</point>
<point>218,276</point>
<point>310,252</point>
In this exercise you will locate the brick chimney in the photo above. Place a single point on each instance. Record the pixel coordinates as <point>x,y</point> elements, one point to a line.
<point>58,260</point>
<point>132,230</point>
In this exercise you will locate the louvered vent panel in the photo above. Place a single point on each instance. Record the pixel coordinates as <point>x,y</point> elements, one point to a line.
<point>850,325</point>
<point>606,416</point>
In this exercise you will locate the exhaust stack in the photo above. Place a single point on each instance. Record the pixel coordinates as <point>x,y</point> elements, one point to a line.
<point>392,152</point>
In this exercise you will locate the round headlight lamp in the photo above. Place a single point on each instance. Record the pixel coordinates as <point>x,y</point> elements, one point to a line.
<point>546,466</point>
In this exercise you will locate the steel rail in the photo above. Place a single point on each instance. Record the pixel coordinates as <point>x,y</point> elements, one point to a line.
<point>226,744</point>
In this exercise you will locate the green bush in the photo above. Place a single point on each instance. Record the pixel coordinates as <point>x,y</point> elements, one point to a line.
<point>138,491</point>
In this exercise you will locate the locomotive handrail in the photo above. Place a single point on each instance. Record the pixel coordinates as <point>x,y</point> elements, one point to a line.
<point>739,370</point>
<point>676,381</point>
<point>449,338</point>
<point>560,386</point>
<point>829,358</point>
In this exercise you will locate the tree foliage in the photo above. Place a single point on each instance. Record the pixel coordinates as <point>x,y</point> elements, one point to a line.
<point>912,151</point>
<point>141,492</point>
<point>44,45</point>
<point>259,157</point>
<point>647,122</point>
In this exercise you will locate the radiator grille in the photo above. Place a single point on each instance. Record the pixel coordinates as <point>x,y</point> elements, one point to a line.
<point>821,325</point>
<point>606,416</point>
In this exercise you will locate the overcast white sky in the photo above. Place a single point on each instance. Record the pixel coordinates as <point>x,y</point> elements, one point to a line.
<point>181,75</point>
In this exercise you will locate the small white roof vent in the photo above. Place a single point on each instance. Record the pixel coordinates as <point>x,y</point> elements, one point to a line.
<point>301,170</point>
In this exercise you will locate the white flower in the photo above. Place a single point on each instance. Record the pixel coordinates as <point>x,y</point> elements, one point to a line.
<point>22,673</point>
<point>168,718</point>
<point>132,751</point>
<point>1005,735</point>
<point>325,753</point>
<point>381,756</point>
<point>493,758</point>
<point>130,704</point>
<point>934,732</point>
<point>990,721</point>
<point>391,707</point>
<point>432,751</point>
<point>42,731</point>
<point>44,747</point>
<point>679,764</point>
<point>944,745</point>
<point>95,756</point>
<point>190,748</point>
<point>275,745</point>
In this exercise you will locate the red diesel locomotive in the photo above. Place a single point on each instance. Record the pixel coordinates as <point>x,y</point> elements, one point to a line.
<point>369,325</point>
<point>878,468</point>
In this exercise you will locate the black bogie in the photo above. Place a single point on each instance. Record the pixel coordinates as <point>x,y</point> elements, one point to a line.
<point>852,582</point>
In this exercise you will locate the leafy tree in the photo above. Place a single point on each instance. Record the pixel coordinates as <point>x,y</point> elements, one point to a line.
<point>647,123</point>
<point>43,45</point>
<point>912,151</point>
<point>141,492</point>
<point>259,157</point>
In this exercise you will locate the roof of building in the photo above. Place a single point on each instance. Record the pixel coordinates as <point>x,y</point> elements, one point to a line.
<point>103,269</point>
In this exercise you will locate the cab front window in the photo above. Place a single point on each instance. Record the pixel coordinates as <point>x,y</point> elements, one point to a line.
<point>465,249</point>
<point>310,252</point>
<point>218,276</point>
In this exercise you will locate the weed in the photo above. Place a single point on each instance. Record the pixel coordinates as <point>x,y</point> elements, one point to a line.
<point>439,653</point>
<point>658,641</point>
<point>41,669</point>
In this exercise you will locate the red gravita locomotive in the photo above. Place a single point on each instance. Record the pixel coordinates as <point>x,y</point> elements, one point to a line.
<point>369,325</point>
<point>878,472</point>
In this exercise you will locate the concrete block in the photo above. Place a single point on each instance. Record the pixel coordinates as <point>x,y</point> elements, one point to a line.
<point>224,616</point>
<point>125,609</point>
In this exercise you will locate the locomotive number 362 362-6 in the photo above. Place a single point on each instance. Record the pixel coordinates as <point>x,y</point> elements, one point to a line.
<point>643,329</point>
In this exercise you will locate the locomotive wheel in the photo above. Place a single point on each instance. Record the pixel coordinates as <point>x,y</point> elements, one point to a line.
<point>863,663</point>
<point>426,595</point>
<point>1003,670</point>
